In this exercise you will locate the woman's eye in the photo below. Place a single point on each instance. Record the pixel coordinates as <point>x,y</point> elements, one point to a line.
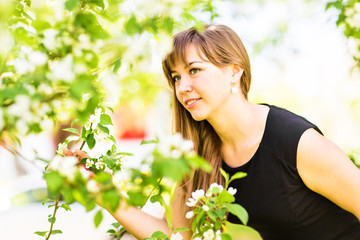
<point>194,70</point>
<point>176,78</point>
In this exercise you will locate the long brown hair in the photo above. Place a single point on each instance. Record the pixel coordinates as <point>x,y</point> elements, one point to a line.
<point>221,46</point>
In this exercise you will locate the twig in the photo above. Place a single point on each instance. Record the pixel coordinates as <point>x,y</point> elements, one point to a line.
<point>52,224</point>
<point>16,153</point>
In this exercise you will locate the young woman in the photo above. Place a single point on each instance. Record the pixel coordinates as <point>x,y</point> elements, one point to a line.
<point>299,185</point>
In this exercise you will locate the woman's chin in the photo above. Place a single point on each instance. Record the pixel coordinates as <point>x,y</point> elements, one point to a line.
<point>198,117</point>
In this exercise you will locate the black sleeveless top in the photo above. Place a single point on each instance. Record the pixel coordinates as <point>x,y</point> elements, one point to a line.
<point>279,204</point>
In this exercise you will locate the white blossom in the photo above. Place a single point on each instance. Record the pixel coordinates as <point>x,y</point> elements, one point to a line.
<point>61,147</point>
<point>86,96</point>
<point>215,185</point>
<point>197,238</point>
<point>187,146</point>
<point>94,120</point>
<point>218,235</point>
<point>189,214</point>
<point>191,202</point>
<point>175,153</point>
<point>232,190</point>
<point>37,58</point>
<point>87,126</point>
<point>46,89</point>
<point>68,167</point>
<point>65,165</point>
<point>92,186</point>
<point>80,68</point>
<point>100,165</point>
<point>50,38</point>
<point>84,172</point>
<point>63,69</point>
<point>176,236</point>
<point>46,124</point>
<point>209,235</point>
<point>205,207</point>
<point>89,163</point>
<point>22,127</point>
<point>22,66</point>
<point>198,194</point>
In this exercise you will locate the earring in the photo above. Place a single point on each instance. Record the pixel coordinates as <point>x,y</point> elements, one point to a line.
<point>234,90</point>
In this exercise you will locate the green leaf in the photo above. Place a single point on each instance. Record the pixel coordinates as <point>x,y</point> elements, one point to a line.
<point>56,232</point>
<point>41,233</point>
<point>237,176</point>
<point>71,138</point>
<point>225,175</point>
<point>104,129</point>
<point>111,231</point>
<point>111,199</point>
<point>225,236</point>
<point>47,200</point>
<point>105,120</point>
<point>238,211</point>
<point>52,219</point>
<point>180,229</point>
<point>115,224</point>
<point>90,140</point>
<point>132,26</point>
<point>54,181</point>
<point>100,3</point>
<point>72,130</point>
<point>98,218</point>
<point>111,109</point>
<point>110,161</point>
<point>225,197</point>
<point>159,234</point>
<point>143,142</point>
<point>89,22</point>
<point>66,207</point>
<point>79,87</point>
<point>74,121</point>
<point>71,4</point>
<point>112,139</point>
<point>40,25</point>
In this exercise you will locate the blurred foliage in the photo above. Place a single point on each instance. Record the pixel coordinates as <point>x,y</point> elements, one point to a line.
<point>349,21</point>
<point>53,53</point>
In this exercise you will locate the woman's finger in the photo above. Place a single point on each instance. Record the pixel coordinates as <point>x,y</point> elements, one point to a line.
<point>67,152</point>
<point>81,154</point>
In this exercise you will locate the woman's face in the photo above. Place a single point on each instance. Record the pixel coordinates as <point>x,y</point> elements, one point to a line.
<point>201,87</point>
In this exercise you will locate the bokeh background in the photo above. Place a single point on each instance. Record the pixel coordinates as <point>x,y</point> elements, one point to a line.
<point>304,55</point>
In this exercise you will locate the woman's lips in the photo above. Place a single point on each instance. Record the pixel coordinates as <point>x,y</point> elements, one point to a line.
<point>191,102</point>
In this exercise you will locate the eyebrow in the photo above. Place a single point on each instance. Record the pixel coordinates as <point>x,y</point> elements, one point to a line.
<point>188,65</point>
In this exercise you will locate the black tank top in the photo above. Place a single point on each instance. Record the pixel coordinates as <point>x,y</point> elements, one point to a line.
<point>279,204</point>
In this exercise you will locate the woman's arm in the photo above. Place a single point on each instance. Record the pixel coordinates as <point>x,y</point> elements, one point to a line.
<point>142,225</point>
<point>137,222</point>
<point>326,169</point>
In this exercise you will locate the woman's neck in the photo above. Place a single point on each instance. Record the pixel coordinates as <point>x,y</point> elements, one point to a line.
<point>240,126</point>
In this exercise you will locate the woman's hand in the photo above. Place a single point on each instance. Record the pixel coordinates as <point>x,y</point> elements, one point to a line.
<point>80,154</point>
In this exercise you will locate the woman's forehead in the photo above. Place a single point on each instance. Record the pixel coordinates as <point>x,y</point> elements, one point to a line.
<point>190,54</point>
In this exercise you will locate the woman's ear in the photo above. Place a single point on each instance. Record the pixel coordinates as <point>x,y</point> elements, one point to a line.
<point>237,72</point>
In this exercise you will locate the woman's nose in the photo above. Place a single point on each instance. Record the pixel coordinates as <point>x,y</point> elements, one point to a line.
<point>184,85</point>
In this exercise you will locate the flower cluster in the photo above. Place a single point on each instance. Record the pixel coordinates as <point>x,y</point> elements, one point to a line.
<point>213,206</point>
<point>174,146</point>
<point>66,166</point>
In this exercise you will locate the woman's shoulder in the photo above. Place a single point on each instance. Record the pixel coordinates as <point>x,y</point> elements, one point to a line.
<point>283,131</point>
<point>281,120</point>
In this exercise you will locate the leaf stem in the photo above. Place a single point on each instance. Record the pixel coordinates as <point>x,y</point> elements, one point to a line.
<point>82,145</point>
<point>55,210</point>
